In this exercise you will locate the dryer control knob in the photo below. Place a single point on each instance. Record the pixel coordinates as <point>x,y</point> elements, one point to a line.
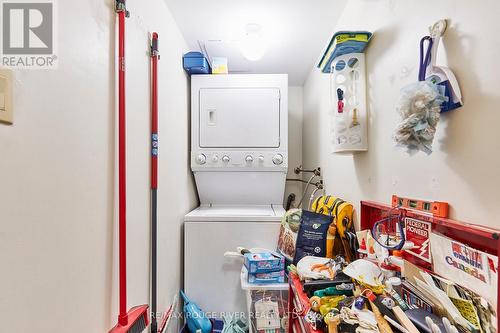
<point>249,159</point>
<point>278,159</point>
<point>225,159</point>
<point>215,158</point>
<point>261,159</point>
<point>201,159</point>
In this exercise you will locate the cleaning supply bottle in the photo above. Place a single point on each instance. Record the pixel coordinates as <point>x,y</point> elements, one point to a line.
<point>393,288</point>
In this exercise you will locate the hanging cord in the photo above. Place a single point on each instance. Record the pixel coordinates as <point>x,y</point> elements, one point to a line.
<point>305,190</point>
<point>313,194</point>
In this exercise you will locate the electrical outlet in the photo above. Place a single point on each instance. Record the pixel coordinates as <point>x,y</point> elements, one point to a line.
<point>6,110</point>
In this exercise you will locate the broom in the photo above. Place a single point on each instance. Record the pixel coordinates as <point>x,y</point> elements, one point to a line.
<point>136,319</point>
<point>154,176</point>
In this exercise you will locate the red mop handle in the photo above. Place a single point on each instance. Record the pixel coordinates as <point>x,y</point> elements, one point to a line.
<point>122,177</point>
<point>154,112</point>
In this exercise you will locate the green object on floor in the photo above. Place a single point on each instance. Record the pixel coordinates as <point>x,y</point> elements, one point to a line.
<point>330,291</point>
<point>234,324</point>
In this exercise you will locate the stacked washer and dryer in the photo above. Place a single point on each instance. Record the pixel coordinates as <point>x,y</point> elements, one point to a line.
<point>239,157</point>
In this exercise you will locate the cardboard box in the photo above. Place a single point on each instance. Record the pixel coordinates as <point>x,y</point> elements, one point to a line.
<point>266,278</point>
<point>264,262</point>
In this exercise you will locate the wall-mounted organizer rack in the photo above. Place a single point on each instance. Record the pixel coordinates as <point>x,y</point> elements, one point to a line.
<point>349,119</point>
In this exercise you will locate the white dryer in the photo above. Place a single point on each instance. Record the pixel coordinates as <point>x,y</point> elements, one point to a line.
<point>239,157</point>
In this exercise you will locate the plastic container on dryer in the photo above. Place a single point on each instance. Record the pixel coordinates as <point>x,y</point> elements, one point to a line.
<point>195,63</point>
<point>267,305</point>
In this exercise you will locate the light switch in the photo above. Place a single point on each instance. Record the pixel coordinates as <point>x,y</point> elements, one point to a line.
<point>6,111</point>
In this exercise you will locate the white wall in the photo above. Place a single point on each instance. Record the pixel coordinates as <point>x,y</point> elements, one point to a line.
<point>295,112</point>
<point>463,169</point>
<point>58,263</point>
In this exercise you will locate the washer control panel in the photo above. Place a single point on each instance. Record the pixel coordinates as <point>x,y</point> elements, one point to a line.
<point>238,159</point>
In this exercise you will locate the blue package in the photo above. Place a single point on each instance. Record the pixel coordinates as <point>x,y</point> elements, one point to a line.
<point>264,262</point>
<point>266,278</point>
<point>195,63</point>
<point>312,235</point>
<point>344,42</point>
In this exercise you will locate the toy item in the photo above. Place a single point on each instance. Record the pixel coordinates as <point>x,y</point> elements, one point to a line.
<point>330,303</point>
<point>315,303</point>
<point>359,303</point>
<point>334,291</point>
<point>195,318</point>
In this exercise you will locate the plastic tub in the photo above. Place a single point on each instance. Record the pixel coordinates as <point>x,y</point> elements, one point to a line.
<point>195,63</point>
<point>267,298</point>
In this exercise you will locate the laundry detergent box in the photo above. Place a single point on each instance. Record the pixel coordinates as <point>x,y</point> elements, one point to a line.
<point>266,278</point>
<point>264,262</point>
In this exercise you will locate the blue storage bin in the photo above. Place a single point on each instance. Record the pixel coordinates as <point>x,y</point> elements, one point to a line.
<point>195,63</point>
<point>217,326</point>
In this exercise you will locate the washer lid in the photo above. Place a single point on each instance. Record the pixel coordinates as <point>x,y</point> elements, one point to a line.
<point>236,213</point>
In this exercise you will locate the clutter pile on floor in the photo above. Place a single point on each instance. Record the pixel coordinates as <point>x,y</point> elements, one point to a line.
<point>371,287</point>
<point>346,281</point>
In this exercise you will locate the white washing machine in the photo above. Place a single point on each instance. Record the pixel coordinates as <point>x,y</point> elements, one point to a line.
<point>239,157</point>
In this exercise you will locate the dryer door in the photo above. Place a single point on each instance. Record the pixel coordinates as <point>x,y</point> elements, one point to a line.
<point>239,118</point>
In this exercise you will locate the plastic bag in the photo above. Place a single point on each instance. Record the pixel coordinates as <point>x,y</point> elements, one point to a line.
<point>290,225</point>
<point>419,106</point>
<point>312,236</point>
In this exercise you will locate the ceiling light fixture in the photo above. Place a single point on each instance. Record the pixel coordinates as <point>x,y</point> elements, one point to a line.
<point>253,45</point>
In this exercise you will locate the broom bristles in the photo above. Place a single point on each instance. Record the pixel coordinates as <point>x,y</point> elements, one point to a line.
<point>137,318</point>
<point>139,325</point>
